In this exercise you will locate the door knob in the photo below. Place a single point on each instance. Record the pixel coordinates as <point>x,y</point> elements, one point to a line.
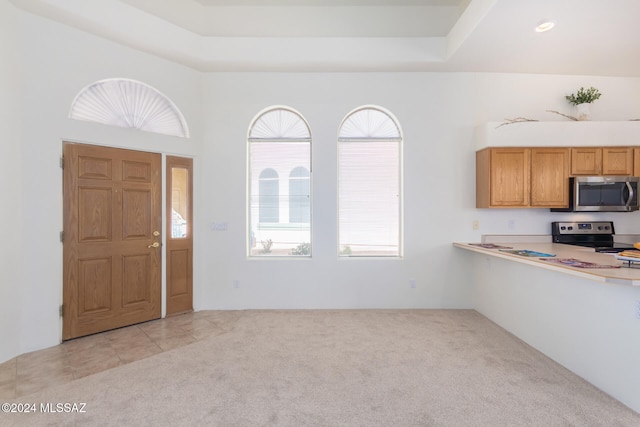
<point>154,245</point>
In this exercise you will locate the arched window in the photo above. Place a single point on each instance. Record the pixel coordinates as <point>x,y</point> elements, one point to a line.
<point>279,211</point>
<point>130,104</point>
<point>299,196</point>
<point>370,184</point>
<point>269,196</point>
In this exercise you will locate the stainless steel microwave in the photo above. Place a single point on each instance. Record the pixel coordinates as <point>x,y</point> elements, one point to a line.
<point>602,194</point>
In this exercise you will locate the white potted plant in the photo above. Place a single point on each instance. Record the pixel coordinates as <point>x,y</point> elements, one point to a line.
<point>582,99</point>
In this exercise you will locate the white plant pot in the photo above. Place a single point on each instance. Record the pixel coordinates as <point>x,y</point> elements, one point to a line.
<point>584,111</point>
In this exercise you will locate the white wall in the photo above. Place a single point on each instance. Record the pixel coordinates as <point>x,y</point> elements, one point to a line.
<point>435,142</point>
<point>10,192</point>
<point>437,111</point>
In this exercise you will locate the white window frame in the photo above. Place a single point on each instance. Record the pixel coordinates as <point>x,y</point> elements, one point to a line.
<point>356,128</point>
<point>278,125</point>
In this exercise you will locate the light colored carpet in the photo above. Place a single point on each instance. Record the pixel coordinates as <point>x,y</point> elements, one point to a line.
<point>339,368</point>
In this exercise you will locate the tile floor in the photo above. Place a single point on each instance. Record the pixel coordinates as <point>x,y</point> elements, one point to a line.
<point>80,357</point>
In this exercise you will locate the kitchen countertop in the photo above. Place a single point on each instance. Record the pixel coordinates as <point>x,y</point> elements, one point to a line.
<point>624,275</point>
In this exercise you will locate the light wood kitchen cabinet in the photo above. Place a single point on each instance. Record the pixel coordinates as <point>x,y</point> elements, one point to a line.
<point>549,177</point>
<point>617,161</point>
<point>602,161</point>
<point>522,177</point>
<point>502,177</point>
<point>537,177</point>
<point>586,161</point>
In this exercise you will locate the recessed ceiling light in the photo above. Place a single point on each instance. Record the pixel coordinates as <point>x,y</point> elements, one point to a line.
<point>545,25</point>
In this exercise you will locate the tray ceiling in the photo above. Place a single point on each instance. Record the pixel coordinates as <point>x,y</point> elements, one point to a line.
<point>591,37</point>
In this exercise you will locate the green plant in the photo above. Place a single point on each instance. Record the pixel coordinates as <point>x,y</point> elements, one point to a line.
<point>302,249</point>
<point>346,250</point>
<point>584,96</point>
<point>266,246</point>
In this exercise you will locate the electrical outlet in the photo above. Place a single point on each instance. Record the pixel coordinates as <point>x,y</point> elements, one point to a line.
<point>637,309</point>
<point>412,283</point>
<point>476,224</point>
<point>236,284</point>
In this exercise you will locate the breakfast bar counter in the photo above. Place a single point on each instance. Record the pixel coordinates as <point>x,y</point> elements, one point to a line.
<point>620,272</point>
<point>586,319</point>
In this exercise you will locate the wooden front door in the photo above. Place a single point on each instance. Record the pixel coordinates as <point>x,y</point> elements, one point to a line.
<point>112,223</point>
<point>179,252</point>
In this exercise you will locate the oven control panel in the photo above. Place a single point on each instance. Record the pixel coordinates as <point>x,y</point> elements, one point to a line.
<point>597,227</point>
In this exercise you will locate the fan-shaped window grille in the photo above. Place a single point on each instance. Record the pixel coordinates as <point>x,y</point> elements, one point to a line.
<point>369,124</point>
<point>369,184</point>
<point>129,104</point>
<point>280,124</point>
<point>279,142</point>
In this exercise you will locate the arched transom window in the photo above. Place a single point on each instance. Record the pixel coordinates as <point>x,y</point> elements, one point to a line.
<point>130,104</point>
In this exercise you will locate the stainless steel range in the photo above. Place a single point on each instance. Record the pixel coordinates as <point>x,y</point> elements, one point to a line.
<point>597,235</point>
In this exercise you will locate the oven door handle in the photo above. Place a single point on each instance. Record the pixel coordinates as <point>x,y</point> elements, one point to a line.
<point>628,204</point>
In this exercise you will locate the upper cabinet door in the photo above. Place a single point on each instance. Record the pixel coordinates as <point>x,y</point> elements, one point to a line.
<point>510,168</point>
<point>586,161</point>
<point>549,177</point>
<point>617,161</point>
